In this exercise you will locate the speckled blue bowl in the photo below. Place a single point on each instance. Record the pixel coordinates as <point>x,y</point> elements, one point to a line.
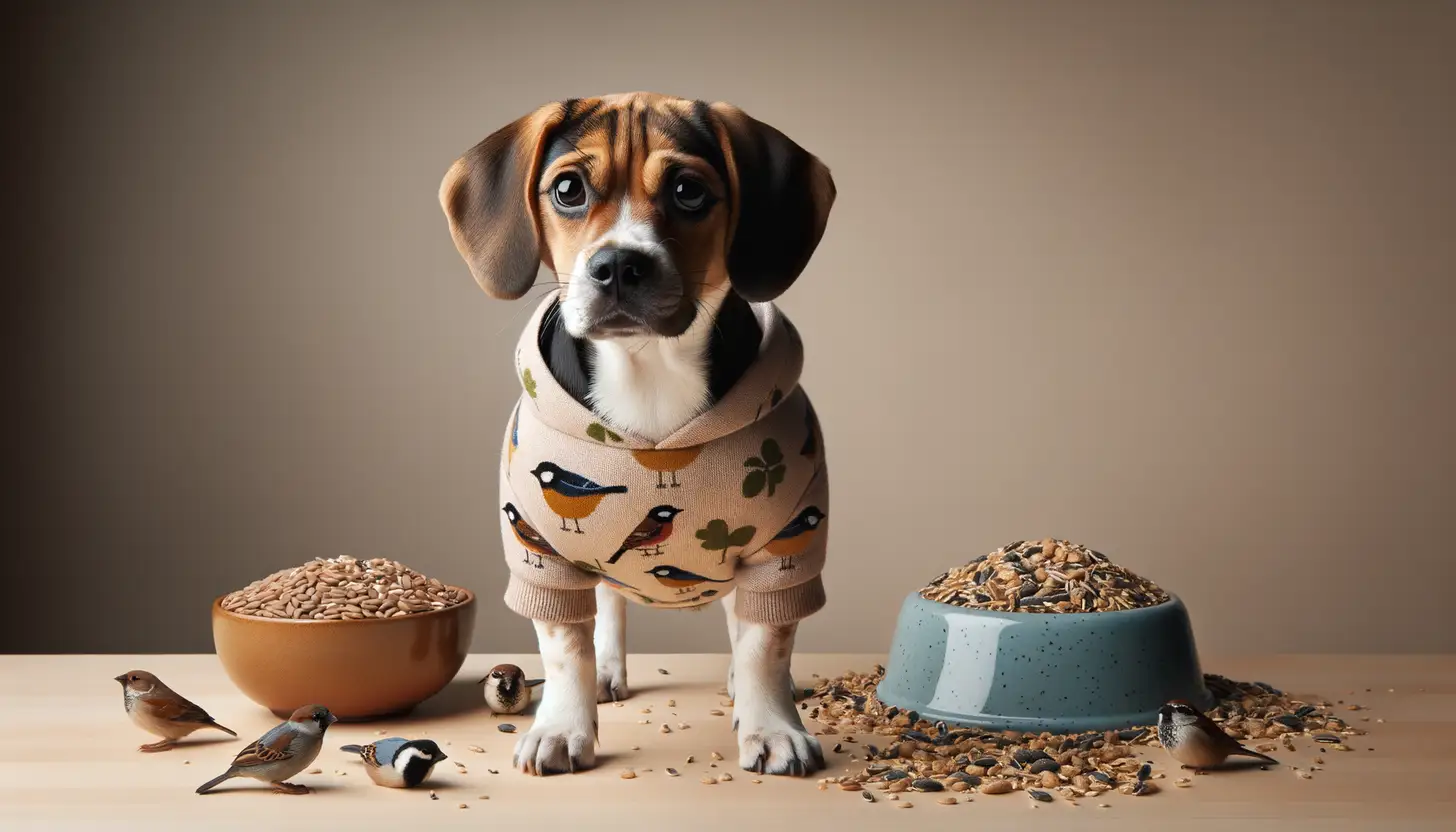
<point>1060,672</point>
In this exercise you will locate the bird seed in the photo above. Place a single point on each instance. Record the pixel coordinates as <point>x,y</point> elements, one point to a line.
<point>1048,576</point>
<point>343,588</point>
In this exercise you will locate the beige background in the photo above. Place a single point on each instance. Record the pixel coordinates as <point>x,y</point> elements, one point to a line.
<point>1175,280</point>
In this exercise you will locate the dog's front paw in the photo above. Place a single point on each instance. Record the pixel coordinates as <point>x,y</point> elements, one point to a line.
<point>779,750</point>
<point>556,749</point>
<point>612,682</point>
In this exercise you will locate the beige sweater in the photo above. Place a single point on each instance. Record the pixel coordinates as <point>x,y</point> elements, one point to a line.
<point>738,498</point>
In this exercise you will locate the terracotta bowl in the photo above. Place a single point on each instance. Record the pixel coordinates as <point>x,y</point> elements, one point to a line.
<point>362,669</point>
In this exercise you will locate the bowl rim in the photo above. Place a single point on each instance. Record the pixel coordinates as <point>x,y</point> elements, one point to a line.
<point>414,616</point>
<point>1173,602</point>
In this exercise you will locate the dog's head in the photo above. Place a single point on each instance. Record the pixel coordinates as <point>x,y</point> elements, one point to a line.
<point>646,207</point>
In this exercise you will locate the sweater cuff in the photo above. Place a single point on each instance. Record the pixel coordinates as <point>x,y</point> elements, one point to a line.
<point>557,606</point>
<point>781,606</point>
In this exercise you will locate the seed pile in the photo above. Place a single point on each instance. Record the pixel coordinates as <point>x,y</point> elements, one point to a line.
<point>343,588</point>
<point>922,756</point>
<point>1049,576</point>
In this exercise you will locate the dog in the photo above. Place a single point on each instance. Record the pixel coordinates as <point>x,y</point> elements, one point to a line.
<point>660,382</point>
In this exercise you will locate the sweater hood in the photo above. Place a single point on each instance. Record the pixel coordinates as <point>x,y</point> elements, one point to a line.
<point>763,386</point>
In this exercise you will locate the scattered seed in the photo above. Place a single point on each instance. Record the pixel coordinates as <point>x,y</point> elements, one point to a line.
<point>434,796</point>
<point>710,781</point>
<point>1039,795</point>
<point>905,804</point>
<point>463,806</point>
<point>664,729</point>
<point>996,787</point>
<point>725,777</point>
<point>1183,782</point>
<point>850,786</point>
<point>315,771</point>
<point>506,728</point>
<point>868,797</point>
<point>672,703</point>
<point>683,726</point>
<point>477,749</point>
<point>947,801</point>
<point>663,671</point>
<point>628,774</point>
<point>715,755</point>
<point>715,712</point>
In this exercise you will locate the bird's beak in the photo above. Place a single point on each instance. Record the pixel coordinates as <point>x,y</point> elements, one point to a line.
<point>332,718</point>
<point>531,683</point>
<point>121,678</point>
<point>483,681</point>
<point>442,758</point>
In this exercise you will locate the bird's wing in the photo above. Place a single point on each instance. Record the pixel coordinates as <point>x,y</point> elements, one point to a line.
<point>384,750</point>
<point>272,747</point>
<point>568,478</point>
<point>174,709</point>
<point>530,535</point>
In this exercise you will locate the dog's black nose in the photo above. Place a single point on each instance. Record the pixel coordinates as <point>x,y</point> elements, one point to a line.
<point>623,266</point>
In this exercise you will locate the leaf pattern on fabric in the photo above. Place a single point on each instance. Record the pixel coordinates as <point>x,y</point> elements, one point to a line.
<point>717,537</point>
<point>767,472</point>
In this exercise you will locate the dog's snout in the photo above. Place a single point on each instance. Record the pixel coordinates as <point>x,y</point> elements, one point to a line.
<point>621,266</point>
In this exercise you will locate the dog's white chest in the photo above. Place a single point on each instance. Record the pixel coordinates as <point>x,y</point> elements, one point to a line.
<point>648,387</point>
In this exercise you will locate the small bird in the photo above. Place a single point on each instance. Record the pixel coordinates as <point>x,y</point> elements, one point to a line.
<point>651,532</point>
<point>397,762</point>
<point>515,435</point>
<point>571,495</point>
<point>666,461</point>
<point>795,538</point>
<point>528,537</point>
<point>681,579</point>
<point>507,690</point>
<point>157,709</point>
<point>281,753</point>
<point>1197,741</point>
<point>811,440</point>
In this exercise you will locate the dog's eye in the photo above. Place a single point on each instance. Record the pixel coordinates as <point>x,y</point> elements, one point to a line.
<point>568,191</point>
<point>689,194</point>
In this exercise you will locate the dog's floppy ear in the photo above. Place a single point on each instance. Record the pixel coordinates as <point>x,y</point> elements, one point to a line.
<point>489,197</point>
<point>781,200</point>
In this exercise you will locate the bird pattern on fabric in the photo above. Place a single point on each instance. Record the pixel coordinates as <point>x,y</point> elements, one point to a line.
<point>735,499</point>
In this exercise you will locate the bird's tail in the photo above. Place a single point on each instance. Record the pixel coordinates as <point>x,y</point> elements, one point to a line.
<point>613,489</point>
<point>352,749</point>
<point>212,784</point>
<point>224,729</point>
<point>1256,755</point>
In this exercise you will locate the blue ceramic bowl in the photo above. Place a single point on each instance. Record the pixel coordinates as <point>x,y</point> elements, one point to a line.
<point>1059,672</point>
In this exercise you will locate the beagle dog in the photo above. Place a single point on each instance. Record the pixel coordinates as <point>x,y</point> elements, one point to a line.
<point>669,225</point>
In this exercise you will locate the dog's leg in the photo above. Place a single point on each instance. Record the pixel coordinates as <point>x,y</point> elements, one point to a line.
<point>611,644</point>
<point>771,737</point>
<point>732,635</point>
<point>564,736</point>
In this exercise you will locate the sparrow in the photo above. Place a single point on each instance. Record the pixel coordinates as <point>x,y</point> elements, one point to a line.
<point>397,762</point>
<point>680,579</point>
<point>652,531</point>
<point>281,753</point>
<point>570,495</point>
<point>666,461</point>
<point>528,537</point>
<point>1197,741</point>
<point>795,538</point>
<point>507,690</point>
<point>157,709</point>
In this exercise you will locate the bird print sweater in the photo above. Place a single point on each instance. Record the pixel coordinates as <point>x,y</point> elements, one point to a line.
<point>735,500</point>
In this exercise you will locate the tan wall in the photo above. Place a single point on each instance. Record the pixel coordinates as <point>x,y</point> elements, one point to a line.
<point>1175,280</point>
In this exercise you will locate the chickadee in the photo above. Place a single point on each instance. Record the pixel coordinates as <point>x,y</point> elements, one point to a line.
<point>1195,740</point>
<point>507,690</point>
<point>397,762</point>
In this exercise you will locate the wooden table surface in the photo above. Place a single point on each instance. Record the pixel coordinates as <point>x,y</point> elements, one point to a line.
<point>71,760</point>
